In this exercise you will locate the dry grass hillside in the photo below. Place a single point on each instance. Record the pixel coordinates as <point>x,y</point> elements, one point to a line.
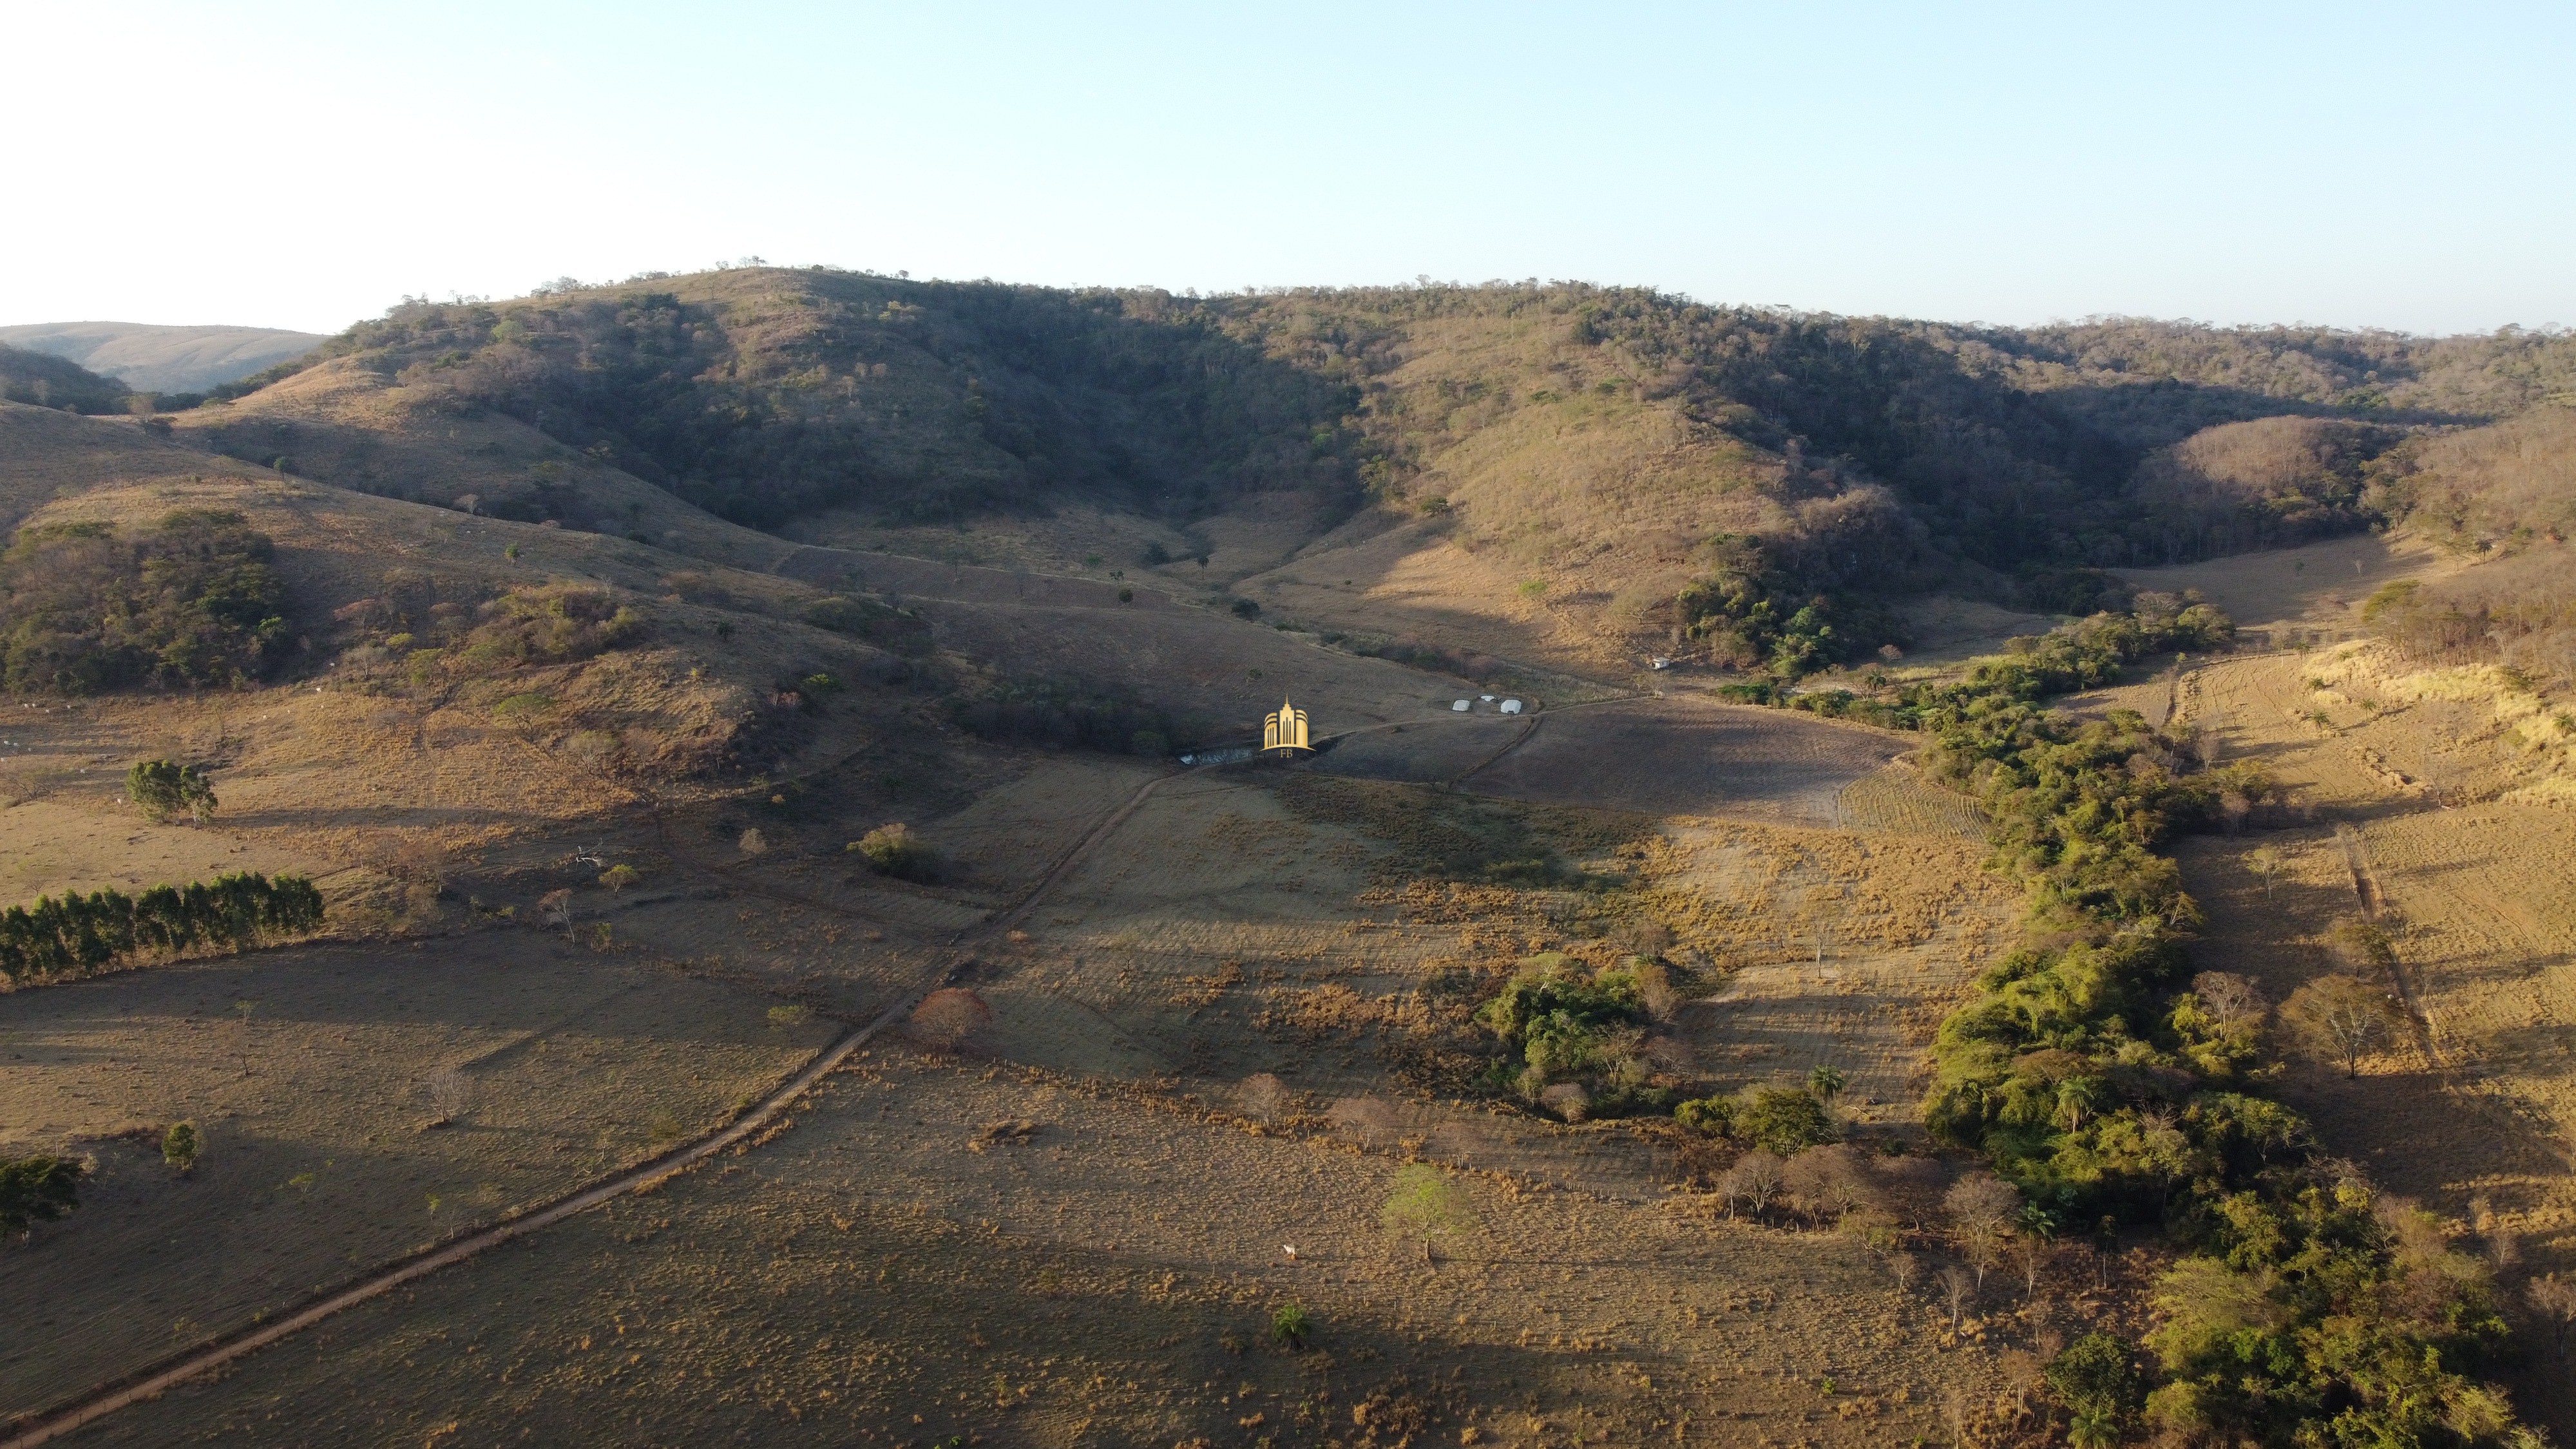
<point>163,359</point>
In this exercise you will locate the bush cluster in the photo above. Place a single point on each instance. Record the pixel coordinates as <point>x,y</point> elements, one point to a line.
<point>1780,1120</point>
<point>2101,1080</point>
<point>70,934</point>
<point>532,624</point>
<point>191,603</point>
<point>896,851</point>
<point>1568,1025</point>
<point>901,630</point>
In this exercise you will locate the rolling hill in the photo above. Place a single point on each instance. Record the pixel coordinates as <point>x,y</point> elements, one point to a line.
<point>150,358</point>
<point>1559,462</point>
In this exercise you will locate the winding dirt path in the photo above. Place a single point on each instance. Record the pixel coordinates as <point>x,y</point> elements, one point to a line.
<point>166,1373</point>
<point>169,1372</point>
<point>152,1379</point>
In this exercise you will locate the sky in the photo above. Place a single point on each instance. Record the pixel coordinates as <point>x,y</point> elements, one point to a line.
<point>306,166</point>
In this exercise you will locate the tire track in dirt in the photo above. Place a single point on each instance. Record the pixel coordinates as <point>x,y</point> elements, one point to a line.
<point>2365,886</point>
<point>169,1372</point>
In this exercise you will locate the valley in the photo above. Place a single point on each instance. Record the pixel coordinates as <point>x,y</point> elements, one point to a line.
<point>663,684</point>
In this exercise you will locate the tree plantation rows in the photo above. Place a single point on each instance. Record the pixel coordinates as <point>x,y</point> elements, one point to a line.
<point>73,934</point>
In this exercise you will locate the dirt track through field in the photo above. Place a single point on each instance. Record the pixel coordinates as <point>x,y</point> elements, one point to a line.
<point>157,1378</point>
<point>153,1380</point>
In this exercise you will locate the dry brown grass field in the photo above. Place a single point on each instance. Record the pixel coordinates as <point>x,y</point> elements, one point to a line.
<point>895,1270</point>
<point>1244,919</point>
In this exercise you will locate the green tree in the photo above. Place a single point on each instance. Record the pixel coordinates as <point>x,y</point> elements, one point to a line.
<point>164,789</point>
<point>1427,1205</point>
<point>179,1146</point>
<point>1783,1120</point>
<point>1826,1082</point>
<point>2096,1377</point>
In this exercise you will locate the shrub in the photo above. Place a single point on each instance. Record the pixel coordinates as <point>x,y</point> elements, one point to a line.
<point>1714,1116</point>
<point>1783,1120</point>
<point>179,1146</point>
<point>164,789</point>
<point>1027,711</point>
<point>1245,609</point>
<point>36,1189</point>
<point>894,850</point>
<point>1290,1326</point>
<point>619,877</point>
<point>790,1016</point>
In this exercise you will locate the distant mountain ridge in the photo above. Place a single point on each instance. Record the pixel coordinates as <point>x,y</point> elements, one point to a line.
<point>151,358</point>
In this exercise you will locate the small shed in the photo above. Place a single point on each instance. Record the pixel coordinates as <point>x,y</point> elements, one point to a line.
<point>1511,706</point>
<point>1462,706</point>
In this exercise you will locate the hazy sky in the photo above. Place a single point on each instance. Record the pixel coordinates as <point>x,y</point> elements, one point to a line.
<point>304,166</point>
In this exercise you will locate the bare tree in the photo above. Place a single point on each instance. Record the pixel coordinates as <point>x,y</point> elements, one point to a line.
<point>1956,1289</point>
<point>554,908</point>
<point>1261,1096</point>
<point>1910,1187</point>
<point>2032,1254</point>
<point>2229,999</point>
<point>1464,1143</point>
<point>1655,990</point>
<point>1981,1210</point>
<point>2342,1017</point>
<point>1366,1118</point>
<point>1567,1100</point>
<point>2209,738</point>
<point>450,1093</point>
<point>2554,1299</point>
<point>2265,862</point>
<point>241,1038</point>
<point>946,1018</point>
<point>1904,1268</point>
<point>1825,905</point>
<point>1828,1183</point>
<point>1755,1177</point>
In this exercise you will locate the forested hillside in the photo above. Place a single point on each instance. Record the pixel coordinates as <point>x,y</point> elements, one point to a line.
<point>46,381</point>
<point>1773,462</point>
